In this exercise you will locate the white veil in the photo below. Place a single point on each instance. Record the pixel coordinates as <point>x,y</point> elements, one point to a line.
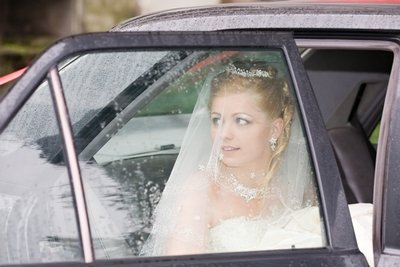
<point>180,218</point>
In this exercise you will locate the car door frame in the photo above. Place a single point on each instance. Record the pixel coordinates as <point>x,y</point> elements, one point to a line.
<point>386,216</point>
<point>341,244</point>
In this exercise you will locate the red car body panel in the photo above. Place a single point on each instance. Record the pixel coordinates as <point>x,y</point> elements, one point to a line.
<point>12,76</point>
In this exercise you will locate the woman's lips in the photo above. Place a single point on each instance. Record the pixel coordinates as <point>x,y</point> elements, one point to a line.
<point>229,148</point>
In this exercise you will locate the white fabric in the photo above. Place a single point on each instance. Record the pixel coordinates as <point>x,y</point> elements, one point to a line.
<point>361,216</point>
<point>299,229</point>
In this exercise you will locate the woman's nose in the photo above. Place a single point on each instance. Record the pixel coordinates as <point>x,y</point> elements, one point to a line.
<point>227,131</point>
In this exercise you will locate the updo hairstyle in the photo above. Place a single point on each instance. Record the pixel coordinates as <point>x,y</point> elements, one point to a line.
<point>272,95</point>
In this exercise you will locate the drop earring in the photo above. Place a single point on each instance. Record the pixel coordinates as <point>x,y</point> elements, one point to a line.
<point>272,143</point>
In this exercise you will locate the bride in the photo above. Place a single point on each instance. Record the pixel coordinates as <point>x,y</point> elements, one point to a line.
<point>242,180</point>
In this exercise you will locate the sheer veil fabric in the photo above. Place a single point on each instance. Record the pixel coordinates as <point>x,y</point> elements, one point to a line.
<point>287,207</point>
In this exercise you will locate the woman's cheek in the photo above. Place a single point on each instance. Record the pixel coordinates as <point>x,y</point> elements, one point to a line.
<point>212,132</point>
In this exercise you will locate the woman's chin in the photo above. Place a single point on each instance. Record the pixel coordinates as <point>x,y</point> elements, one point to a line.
<point>231,162</point>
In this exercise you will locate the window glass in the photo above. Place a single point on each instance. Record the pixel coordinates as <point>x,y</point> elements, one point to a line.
<point>204,151</point>
<point>106,75</point>
<point>374,137</point>
<point>37,212</point>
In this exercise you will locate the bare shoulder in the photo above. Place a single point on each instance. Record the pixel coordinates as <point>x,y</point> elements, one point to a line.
<point>195,190</point>
<point>198,181</point>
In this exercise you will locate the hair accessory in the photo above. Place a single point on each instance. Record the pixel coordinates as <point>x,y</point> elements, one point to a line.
<point>273,143</point>
<point>248,73</point>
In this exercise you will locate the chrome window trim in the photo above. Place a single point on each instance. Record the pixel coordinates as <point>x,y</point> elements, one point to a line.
<point>347,44</point>
<point>73,164</point>
<point>382,159</point>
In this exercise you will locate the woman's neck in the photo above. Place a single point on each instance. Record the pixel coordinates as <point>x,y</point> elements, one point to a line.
<point>249,177</point>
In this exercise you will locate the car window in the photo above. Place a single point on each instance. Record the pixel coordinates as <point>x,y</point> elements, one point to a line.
<point>350,88</point>
<point>131,136</point>
<point>37,210</point>
<point>105,79</point>
<point>374,137</point>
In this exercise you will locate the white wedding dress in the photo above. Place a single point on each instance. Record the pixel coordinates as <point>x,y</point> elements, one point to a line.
<point>295,229</point>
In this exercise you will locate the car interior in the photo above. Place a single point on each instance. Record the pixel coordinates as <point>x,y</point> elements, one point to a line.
<point>350,87</point>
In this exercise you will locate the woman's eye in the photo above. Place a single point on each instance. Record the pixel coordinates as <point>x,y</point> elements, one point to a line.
<point>241,121</point>
<point>216,121</point>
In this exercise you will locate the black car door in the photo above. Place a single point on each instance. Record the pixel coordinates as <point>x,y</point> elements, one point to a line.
<point>82,181</point>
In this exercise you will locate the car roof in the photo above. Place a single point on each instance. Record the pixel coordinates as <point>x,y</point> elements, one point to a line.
<point>371,15</point>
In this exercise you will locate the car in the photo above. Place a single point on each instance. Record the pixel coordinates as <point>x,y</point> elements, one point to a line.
<point>90,132</point>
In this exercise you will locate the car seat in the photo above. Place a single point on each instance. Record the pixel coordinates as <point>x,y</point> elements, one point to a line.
<point>356,162</point>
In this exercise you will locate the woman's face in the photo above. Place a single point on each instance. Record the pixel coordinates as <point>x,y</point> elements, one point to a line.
<point>244,130</point>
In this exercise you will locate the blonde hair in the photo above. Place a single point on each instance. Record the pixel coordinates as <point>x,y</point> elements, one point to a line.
<point>273,97</point>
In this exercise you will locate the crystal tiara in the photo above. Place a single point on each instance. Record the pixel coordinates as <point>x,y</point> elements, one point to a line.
<point>248,73</point>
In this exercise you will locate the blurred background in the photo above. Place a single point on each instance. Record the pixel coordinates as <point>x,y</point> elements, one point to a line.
<point>27,27</point>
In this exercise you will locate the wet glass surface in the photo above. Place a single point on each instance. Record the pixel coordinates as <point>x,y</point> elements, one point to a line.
<point>37,213</point>
<point>129,112</point>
